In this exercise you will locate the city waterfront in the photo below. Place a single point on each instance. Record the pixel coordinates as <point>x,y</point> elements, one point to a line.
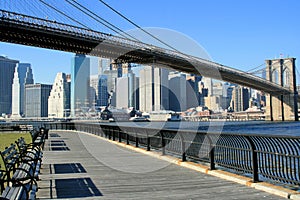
<point>112,114</point>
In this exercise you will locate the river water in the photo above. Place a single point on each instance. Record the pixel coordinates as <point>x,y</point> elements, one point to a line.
<point>246,127</point>
<point>249,127</point>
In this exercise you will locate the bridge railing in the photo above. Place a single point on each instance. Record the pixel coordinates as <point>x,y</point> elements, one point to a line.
<point>264,158</point>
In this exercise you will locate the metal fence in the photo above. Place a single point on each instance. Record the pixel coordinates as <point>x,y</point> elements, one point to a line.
<point>264,158</point>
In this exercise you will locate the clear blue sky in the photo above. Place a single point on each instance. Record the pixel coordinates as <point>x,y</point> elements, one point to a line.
<point>239,34</point>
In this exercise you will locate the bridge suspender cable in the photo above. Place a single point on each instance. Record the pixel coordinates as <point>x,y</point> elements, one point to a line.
<point>102,21</point>
<point>60,12</point>
<point>255,68</point>
<point>136,25</point>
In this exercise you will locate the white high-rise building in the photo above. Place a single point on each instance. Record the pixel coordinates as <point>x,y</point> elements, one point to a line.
<point>59,99</point>
<point>94,79</point>
<point>127,91</point>
<point>22,76</point>
<point>153,89</point>
<point>103,65</point>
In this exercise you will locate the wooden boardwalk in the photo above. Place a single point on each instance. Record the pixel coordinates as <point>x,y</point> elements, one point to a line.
<point>82,166</point>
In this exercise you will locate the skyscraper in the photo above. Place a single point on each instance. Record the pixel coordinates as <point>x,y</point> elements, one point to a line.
<point>192,91</point>
<point>80,84</point>
<point>36,100</point>
<point>127,91</point>
<point>22,76</point>
<point>102,91</point>
<point>153,89</point>
<point>104,64</point>
<point>177,82</point>
<point>94,81</point>
<point>7,68</point>
<point>240,99</point>
<point>59,99</point>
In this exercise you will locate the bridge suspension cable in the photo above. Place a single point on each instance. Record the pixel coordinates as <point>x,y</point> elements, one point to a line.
<point>62,13</point>
<point>99,19</point>
<point>255,68</point>
<point>136,25</point>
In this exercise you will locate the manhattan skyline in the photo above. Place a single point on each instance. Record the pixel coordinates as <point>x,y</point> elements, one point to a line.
<point>237,34</point>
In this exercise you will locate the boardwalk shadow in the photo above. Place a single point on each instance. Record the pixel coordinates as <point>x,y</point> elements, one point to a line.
<point>76,188</point>
<point>60,148</point>
<point>68,168</point>
<point>59,145</point>
<point>54,135</point>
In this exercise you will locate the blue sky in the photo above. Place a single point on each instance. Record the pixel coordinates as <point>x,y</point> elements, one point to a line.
<point>239,34</point>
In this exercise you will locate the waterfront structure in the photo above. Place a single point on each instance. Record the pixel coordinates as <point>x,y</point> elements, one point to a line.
<point>127,91</point>
<point>7,69</point>
<point>153,89</point>
<point>22,76</point>
<point>59,99</point>
<point>36,100</point>
<point>282,107</point>
<point>80,84</point>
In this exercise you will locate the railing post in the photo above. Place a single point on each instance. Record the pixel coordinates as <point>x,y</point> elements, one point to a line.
<point>127,138</point>
<point>163,144</point>
<point>136,140</point>
<point>119,135</point>
<point>148,143</point>
<point>212,165</point>
<point>101,132</point>
<point>113,135</point>
<point>254,160</point>
<point>109,133</point>
<point>183,154</point>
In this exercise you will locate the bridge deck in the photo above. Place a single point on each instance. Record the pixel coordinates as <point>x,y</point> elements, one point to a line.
<point>78,165</point>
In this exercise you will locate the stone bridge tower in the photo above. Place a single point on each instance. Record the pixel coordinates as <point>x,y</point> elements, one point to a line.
<point>282,107</point>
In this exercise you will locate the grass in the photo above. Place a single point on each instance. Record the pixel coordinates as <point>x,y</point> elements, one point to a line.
<point>6,138</point>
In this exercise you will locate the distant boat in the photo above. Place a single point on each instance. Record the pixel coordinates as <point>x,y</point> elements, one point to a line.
<point>175,117</point>
<point>139,119</point>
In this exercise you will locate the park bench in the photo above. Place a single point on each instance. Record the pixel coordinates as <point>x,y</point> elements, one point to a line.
<point>29,152</point>
<point>10,157</point>
<point>2,179</point>
<point>24,169</point>
<point>38,136</point>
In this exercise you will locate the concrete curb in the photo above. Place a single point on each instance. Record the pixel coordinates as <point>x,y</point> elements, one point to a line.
<point>266,187</point>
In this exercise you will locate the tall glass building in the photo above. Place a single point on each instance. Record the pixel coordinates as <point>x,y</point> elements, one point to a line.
<point>80,84</point>
<point>7,68</point>
<point>36,101</point>
<point>22,76</point>
<point>102,91</point>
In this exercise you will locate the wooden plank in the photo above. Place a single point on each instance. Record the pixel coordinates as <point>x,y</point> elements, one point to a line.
<point>96,169</point>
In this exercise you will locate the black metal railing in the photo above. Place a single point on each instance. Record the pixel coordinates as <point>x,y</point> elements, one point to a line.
<point>264,158</point>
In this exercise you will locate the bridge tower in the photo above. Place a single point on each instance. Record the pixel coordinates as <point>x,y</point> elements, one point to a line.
<point>282,107</point>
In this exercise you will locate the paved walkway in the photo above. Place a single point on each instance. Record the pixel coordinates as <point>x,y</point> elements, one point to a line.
<point>82,166</point>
